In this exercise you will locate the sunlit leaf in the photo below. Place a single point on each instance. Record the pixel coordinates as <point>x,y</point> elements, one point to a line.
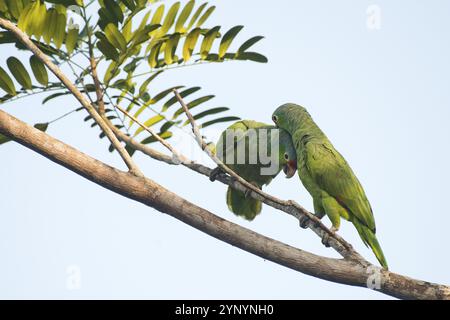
<point>152,139</point>
<point>197,14</point>
<point>179,26</point>
<point>169,20</point>
<point>205,16</point>
<point>154,53</point>
<point>115,37</point>
<point>150,122</point>
<point>208,41</point>
<point>227,39</point>
<point>189,43</point>
<point>170,48</point>
<point>144,85</point>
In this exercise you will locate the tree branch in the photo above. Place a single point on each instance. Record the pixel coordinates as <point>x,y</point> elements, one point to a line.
<point>153,195</point>
<point>22,37</point>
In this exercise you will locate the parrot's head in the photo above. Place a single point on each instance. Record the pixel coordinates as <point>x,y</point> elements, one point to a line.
<point>288,156</point>
<point>288,115</point>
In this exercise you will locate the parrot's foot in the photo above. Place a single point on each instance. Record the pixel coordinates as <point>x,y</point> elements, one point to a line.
<point>303,221</point>
<point>215,173</point>
<point>249,191</point>
<point>326,237</point>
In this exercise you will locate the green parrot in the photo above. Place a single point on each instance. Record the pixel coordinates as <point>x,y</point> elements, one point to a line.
<point>326,175</point>
<point>245,147</point>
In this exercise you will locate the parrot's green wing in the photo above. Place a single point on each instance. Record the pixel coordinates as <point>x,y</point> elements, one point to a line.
<point>333,175</point>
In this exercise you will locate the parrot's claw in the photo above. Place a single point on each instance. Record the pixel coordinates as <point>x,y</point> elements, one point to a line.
<point>249,191</point>
<point>215,173</point>
<point>303,221</point>
<point>326,237</point>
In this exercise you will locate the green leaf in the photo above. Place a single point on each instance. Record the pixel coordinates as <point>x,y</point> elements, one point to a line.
<point>163,94</point>
<point>219,120</point>
<point>7,37</point>
<point>208,41</point>
<point>189,43</point>
<point>154,53</point>
<point>6,83</point>
<point>39,19</point>
<point>39,70</point>
<point>170,48</point>
<point>54,95</point>
<point>205,16</point>
<point>208,113</point>
<point>111,72</point>
<point>14,7</point>
<point>193,104</point>
<point>197,13</point>
<point>129,4</point>
<point>108,50</point>
<point>179,26</point>
<point>51,22</point>
<point>67,3</point>
<point>115,10</point>
<point>150,122</point>
<point>165,135</point>
<point>170,18</point>
<point>60,29</point>
<point>227,39</point>
<point>19,72</point>
<point>166,126</point>
<point>247,44</point>
<point>144,85</point>
<point>72,39</point>
<point>25,18</point>
<point>115,37</point>
<point>157,17</point>
<point>252,56</point>
<point>138,113</point>
<point>183,94</point>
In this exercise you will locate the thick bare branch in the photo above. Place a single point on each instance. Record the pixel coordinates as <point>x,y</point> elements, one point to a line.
<point>152,194</point>
<point>22,37</point>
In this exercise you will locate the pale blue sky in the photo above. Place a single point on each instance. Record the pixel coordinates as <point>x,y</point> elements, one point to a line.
<point>381,96</point>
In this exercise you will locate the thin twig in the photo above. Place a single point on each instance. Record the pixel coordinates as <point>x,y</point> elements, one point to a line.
<point>177,156</point>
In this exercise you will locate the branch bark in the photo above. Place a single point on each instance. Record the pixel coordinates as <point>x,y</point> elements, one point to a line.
<point>148,192</point>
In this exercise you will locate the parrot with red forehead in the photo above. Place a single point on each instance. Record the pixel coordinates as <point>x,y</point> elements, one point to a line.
<point>335,189</point>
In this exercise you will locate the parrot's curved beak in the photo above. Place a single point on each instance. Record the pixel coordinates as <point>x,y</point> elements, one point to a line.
<point>290,168</point>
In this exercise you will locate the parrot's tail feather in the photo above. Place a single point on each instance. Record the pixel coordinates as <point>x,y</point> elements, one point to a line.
<point>371,241</point>
<point>241,205</point>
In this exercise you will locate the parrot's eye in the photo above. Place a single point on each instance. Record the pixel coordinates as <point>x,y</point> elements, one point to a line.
<point>286,156</point>
<point>274,118</point>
